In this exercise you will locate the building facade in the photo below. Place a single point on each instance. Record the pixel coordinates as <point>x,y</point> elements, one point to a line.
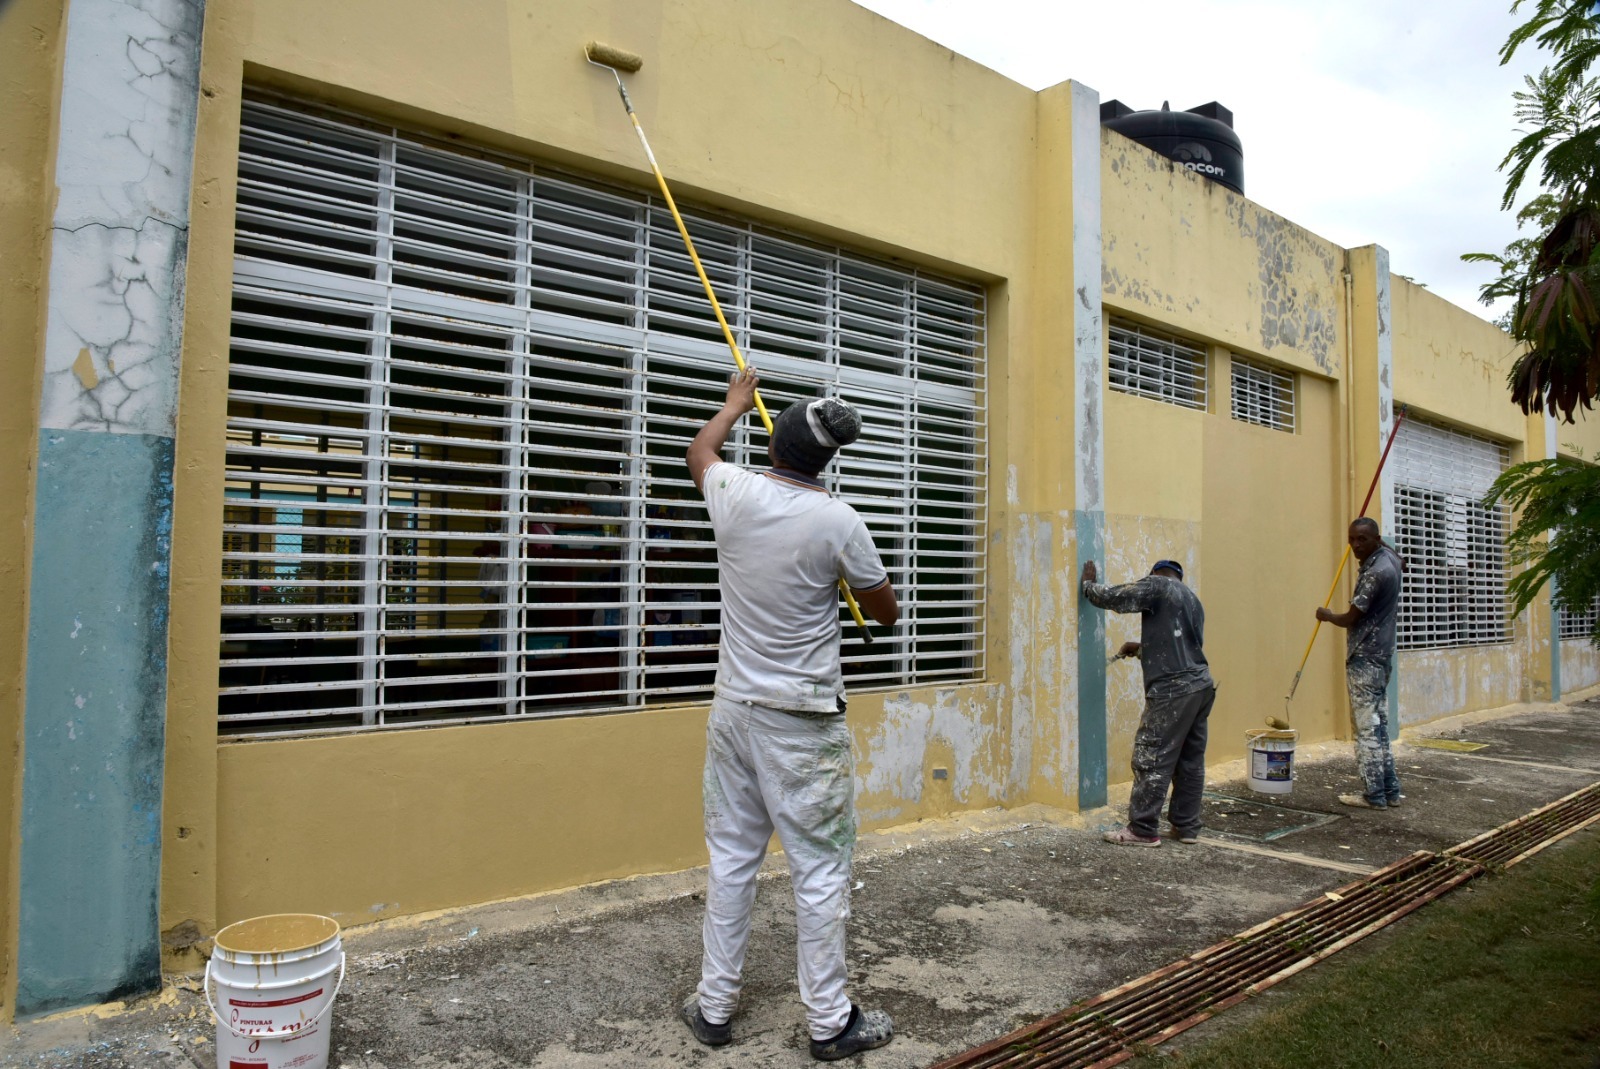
<point>354,353</point>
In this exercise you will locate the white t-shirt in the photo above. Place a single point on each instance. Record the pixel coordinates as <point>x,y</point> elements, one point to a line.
<point>782,548</point>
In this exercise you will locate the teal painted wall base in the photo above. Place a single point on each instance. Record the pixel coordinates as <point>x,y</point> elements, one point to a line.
<point>94,721</point>
<point>1555,650</point>
<point>1091,536</point>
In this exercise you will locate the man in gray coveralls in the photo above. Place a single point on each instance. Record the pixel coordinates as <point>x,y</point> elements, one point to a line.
<point>1170,747</point>
<point>1369,657</point>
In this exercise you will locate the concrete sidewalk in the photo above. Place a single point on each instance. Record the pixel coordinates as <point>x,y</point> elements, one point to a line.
<point>962,929</point>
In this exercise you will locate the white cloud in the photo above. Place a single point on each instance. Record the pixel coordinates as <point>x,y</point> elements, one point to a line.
<point>1368,121</point>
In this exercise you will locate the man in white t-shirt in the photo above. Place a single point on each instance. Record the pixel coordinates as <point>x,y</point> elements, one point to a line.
<point>777,748</point>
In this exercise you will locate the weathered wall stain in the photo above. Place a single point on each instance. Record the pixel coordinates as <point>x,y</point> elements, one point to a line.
<point>893,771</point>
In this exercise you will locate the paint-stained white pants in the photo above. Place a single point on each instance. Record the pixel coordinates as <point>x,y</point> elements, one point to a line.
<point>769,770</point>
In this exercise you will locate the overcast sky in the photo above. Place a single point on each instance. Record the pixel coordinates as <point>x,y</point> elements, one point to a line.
<point>1365,121</point>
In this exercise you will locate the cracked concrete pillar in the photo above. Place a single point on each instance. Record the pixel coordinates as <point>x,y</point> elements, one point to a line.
<point>94,695</point>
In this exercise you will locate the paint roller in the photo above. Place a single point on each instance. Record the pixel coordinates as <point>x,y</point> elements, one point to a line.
<point>616,60</point>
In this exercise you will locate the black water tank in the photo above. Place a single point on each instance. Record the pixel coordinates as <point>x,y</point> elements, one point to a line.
<point>1201,139</point>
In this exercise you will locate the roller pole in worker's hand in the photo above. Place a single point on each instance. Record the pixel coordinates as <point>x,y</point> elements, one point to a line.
<point>616,60</point>
<point>1399,418</point>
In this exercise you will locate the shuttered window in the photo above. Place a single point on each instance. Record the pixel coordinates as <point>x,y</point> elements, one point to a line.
<point>1262,394</point>
<point>1580,624</point>
<point>460,392</point>
<point>1151,363</point>
<point>1454,547</point>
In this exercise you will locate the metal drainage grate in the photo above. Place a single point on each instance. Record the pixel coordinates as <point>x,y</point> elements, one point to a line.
<point>1114,1026</point>
<point>1522,838</point>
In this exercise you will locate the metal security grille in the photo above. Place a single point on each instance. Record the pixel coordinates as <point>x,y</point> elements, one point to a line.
<point>1262,395</point>
<point>460,393</point>
<point>1454,547</point>
<point>1580,624</point>
<point>1152,364</point>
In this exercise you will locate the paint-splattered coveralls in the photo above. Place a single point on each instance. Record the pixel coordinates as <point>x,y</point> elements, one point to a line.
<point>777,749</point>
<point>1369,657</point>
<point>1170,747</point>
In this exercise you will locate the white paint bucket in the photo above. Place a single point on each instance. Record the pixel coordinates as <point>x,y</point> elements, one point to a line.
<point>275,985</point>
<point>1271,760</point>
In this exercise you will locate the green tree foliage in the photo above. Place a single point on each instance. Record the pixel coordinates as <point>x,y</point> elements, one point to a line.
<point>1557,532</point>
<point>1553,278</point>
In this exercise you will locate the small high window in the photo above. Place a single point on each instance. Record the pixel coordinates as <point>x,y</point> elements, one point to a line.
<point>1262,395</point>
<point>1151,363</point>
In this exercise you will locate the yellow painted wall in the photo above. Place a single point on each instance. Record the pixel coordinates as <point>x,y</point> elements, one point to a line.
<point>1182,249</point>
<point>1033,605</point>
<point>1437,683</point>
<point>31,38</point>
<point>1451,365</point>
<point>846,126</point>
<point>1255,515</point>
<point>1580,438</point>
<point>1580,667</point>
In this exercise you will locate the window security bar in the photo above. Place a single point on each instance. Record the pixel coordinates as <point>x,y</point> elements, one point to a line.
<point>1262,394</point>
<point>1153,364</point>
<point>1455,581</point>
<point>1580,625</point>
<point>460,394</point>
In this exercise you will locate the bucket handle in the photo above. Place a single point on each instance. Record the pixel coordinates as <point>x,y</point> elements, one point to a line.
<point>269,1034</point>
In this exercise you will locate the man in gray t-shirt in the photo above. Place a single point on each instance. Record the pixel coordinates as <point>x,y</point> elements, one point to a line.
<point>1369,658</point>
<point>778,756</point>
<point>1170,747</point>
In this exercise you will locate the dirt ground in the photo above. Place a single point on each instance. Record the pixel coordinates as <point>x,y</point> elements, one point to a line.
<point>963,929</point>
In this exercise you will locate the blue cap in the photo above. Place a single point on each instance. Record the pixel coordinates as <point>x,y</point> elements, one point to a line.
<point>1160,564</point>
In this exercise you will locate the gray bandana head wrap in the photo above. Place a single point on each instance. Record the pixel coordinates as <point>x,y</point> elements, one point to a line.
<point>807,434</point>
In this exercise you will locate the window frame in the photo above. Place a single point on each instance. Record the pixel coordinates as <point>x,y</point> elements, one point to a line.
<point>1454,594</point>
<point>1148,362</point>
<point>408,273</point>
<point>1263,394</point>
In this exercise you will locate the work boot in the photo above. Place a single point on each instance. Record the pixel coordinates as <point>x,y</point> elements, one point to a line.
<point>1359,801</point>
<point>863,1031</point>
<point>712,1035</point>
<point>1128,837</point>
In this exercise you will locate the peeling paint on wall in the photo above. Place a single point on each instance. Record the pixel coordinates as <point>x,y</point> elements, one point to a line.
<point>1580,665</point>
<point>895,766</point>
<point>1436,683</point>
<point>94,713</point>
<point>1290,317</point>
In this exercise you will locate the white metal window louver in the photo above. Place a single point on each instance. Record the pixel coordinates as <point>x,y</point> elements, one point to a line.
<point>1262,394</point>
<point>1580,625</point>
<point>460,392</point>
<point>1454,547</point>
<point>1151,363</point>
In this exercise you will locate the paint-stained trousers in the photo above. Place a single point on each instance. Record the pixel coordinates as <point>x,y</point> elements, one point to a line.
<point>1368,681</point>
<point>1170,749</point>
<point>769,770</point>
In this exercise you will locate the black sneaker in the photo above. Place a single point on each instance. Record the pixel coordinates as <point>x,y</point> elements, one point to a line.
<point>864,1030</point>
<point>712,1035</point>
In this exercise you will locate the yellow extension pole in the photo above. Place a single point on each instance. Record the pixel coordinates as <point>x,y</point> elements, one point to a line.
<point>716,306</point>
<point>1400,416</point>
<point>1307,656</point>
